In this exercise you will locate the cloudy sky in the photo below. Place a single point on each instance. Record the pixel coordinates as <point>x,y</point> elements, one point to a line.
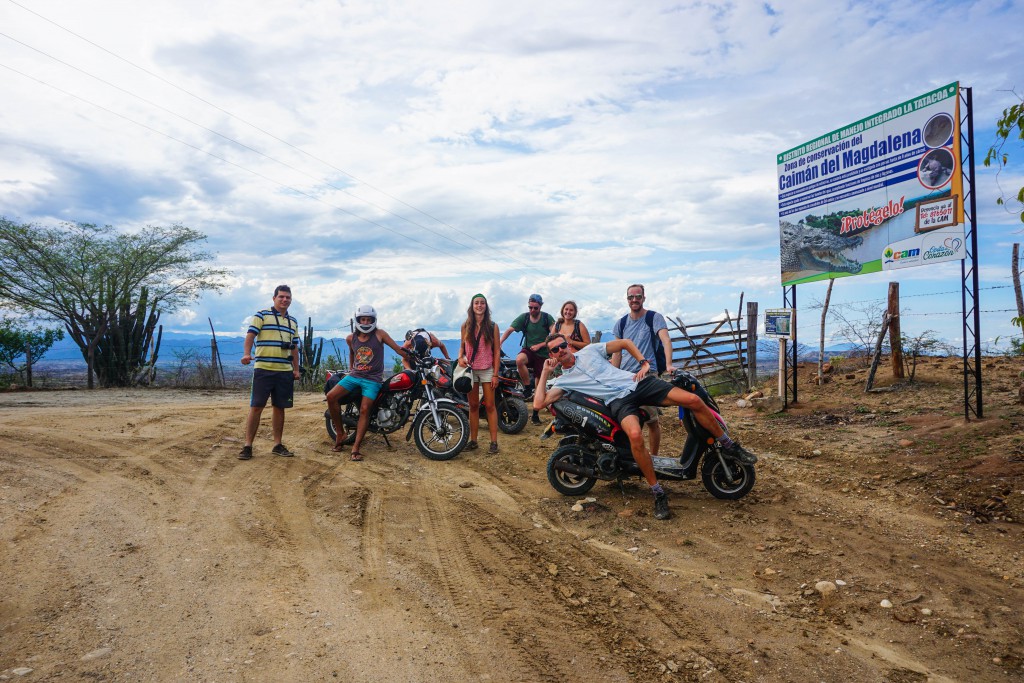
<point>410,154</point>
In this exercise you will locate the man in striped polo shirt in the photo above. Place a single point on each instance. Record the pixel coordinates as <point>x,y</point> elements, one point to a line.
<point>275,334</point>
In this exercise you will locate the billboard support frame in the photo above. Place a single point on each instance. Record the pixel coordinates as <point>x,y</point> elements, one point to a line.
<point>969,273</point>
<point>789,367</point>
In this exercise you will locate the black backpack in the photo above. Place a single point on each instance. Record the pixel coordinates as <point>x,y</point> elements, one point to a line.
<point>546,320</point>
<point>659,347</point>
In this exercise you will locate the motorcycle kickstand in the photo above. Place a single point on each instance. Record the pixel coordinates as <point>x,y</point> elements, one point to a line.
<point>386,442</point>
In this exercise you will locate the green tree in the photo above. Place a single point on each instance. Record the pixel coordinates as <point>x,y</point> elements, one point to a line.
<point>1011,123</point>
<point>15,340</point>
<point>107,287</point>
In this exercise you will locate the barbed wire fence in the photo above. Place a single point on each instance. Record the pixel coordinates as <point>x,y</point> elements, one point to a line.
<point>193,363</point>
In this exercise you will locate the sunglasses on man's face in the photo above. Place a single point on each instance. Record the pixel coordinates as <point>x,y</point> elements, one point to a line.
<point>534,308</point>
<point>634,297</point>
<point>559,348</point>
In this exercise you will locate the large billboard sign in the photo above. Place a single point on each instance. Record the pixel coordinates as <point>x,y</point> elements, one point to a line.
<point>884,192</point>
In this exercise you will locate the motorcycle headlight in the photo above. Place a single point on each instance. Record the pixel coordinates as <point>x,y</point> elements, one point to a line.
<point>434,373</point>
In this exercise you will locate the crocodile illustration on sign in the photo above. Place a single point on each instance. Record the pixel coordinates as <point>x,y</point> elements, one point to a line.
<point>808,248</point>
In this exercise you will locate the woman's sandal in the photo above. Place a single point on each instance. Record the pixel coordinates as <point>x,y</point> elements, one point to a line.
<point>357,456</point>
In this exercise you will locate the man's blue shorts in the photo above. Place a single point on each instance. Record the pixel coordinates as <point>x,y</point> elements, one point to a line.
<point>369,388</point>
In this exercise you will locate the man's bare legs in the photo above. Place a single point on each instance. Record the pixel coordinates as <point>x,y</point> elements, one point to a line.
<point>334,397</point>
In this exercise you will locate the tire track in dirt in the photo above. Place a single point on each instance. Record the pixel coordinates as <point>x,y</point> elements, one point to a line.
<point>693,641</point>
<point>590,598</point>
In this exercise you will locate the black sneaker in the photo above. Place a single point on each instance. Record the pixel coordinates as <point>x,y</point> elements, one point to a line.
<point>245,453</point>
<point>282,450</point>
<point>535,419</point>
<point>740,453</point>
<point>661,510</point>
<point>493,448</point>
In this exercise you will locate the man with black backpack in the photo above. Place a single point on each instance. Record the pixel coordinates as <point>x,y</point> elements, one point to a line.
<point>535,327</point>
<point>648,330</point>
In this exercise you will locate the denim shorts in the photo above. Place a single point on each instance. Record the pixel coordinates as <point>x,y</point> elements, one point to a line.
<point>483,376</point>
<point>369,388</point>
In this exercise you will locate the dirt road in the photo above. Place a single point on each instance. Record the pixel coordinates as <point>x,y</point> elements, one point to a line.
<point>134,546</point>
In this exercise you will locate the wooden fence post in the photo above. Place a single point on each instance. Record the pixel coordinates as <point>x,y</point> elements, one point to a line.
<point>878,352</point>
<point>752,342</point>
<point>217,363</point>
<point>895,340</point>
<point>28,365</point>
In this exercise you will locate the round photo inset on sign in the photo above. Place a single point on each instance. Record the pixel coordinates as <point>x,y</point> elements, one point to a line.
<point>936,168</point>
<point>938,132</point>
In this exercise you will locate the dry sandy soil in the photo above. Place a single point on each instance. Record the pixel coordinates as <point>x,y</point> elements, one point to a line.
<point>134,546</point>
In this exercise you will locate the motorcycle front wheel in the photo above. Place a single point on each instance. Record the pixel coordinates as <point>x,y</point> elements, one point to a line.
<point>331,432</point>
<point>568,483</point>
<point>511,415</point>
<point>441,441</point>
<point>726,484</point>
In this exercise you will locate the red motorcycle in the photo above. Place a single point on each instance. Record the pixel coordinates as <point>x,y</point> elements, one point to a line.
<point>509,399</point>
<point>439,427</point>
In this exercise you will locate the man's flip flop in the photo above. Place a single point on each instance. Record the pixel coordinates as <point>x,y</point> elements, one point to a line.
<point>337,448</point>
<point>357,456</point>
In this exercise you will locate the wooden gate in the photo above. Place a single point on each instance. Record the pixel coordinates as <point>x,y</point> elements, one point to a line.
<point>719,352</point>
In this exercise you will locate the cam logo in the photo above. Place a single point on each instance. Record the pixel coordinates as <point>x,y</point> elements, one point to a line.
<point>891,255</point>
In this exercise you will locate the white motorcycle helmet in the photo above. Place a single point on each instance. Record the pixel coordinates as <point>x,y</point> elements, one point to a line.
<point>366,310</point>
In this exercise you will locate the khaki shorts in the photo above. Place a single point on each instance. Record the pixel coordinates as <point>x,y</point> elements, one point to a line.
<point>483,376</point>
<point>652,412</point>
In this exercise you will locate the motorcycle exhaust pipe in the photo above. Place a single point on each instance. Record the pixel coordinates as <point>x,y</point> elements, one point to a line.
<point>563,466</point>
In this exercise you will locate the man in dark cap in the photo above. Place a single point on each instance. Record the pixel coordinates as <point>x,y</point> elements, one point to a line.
<point>535,327</point>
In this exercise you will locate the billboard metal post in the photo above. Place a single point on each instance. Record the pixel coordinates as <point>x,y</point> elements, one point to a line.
<point>969,269</point>
<point>789,301</point>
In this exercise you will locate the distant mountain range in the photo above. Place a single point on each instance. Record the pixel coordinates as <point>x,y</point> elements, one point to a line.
<point>176,347</point>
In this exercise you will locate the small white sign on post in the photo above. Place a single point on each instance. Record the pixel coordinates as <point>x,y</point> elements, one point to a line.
<point>778,323</point>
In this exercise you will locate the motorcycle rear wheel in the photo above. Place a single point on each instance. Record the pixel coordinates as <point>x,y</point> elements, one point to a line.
<point>567,483</point>
<point>512,415</point>
<point>334,434</point>
<point>442,442</point>
<point>731,484</point>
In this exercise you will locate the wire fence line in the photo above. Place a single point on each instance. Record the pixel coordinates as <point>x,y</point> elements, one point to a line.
<point>184,360</point>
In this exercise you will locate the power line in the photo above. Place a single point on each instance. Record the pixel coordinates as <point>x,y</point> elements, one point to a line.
<point>236,165</point>
<point>275,137</point>
<point>487,256</point>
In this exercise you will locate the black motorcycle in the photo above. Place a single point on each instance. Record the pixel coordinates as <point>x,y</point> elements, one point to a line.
<point>594,446</point>
<point>509,398</point>
<point>439,427</point>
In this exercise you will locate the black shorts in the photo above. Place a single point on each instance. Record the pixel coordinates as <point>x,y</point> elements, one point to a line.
<point>650,391</point>
<point>277,385</point>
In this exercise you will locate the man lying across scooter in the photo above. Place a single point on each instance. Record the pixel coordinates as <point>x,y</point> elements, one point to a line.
<point>589,371</point>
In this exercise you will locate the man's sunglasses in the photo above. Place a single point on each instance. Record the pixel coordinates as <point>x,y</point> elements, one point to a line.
<point>631,297</point>
<point>534,308</point>
<point>558,348</point>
